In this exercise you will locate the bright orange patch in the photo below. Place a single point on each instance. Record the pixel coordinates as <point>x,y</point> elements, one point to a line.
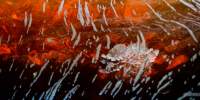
<point>149,36</point>
<point>14,16</point>
<point>33,57</point>
<point>136,10</point>
<point>4,50</point>
<point>160,60</point>
<point>177,61</point>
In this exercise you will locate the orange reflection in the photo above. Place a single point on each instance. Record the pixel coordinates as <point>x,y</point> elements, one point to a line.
<point>177,61</point>
<point>4,50</point>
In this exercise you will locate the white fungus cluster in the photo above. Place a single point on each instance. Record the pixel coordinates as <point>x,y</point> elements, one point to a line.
<point>129,58</point>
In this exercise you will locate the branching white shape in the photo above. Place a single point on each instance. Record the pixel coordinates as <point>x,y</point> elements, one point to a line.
<point>130,57</point>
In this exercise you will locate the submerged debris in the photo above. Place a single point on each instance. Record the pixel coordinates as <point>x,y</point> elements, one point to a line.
<point>129,58</point>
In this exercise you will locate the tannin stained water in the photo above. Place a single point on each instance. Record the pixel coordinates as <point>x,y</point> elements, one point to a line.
<point>104,49</point>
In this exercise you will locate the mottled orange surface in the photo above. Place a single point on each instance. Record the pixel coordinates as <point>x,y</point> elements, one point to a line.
<point>55,41</point>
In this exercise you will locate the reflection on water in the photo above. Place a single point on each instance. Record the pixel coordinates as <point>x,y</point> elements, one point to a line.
<point>59,49</point>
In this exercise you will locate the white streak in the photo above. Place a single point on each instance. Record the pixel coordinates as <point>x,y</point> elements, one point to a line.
<point>80,13</point>
<point>105,89</point>
<point>73,32</point>
<point>140,73</point>
<point>44,6</point>
<point>76,77</point>
<point>25,19</point>
<point>20,76</point>
<point>75,61</point>
<point>61,7</point>
<point>108,42</point>
<point>94,26</point>
<point>20,40</point>
<point>188,94</point>
<point>143,40</point>
<point>71,92</point>
<point>104,16</point>
<point>77,40</point>
<point>30,23</point>
<point>102,28</point>
<point>125,32</point>
<point>164,29</point>
<point>49,83</point>
<point>134,88</point>
<point>11,65</point>
<point>175,22</point>
<point>40,72</point>
<point>65,18</point>
<point>94,78</point>
<point>98,52</point>
<point>189,30</point>
<point>162,80</point>
<point>189,5</point>
<point>194,57</point>
<point>117,88</point>
<point>87,13</point>
<point>113,8</point>
<point>170,6</point>
<point>160,89</point>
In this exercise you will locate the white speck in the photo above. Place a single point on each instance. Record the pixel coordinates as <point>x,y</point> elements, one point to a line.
<point>193,76</point>
<point>194,57</point>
